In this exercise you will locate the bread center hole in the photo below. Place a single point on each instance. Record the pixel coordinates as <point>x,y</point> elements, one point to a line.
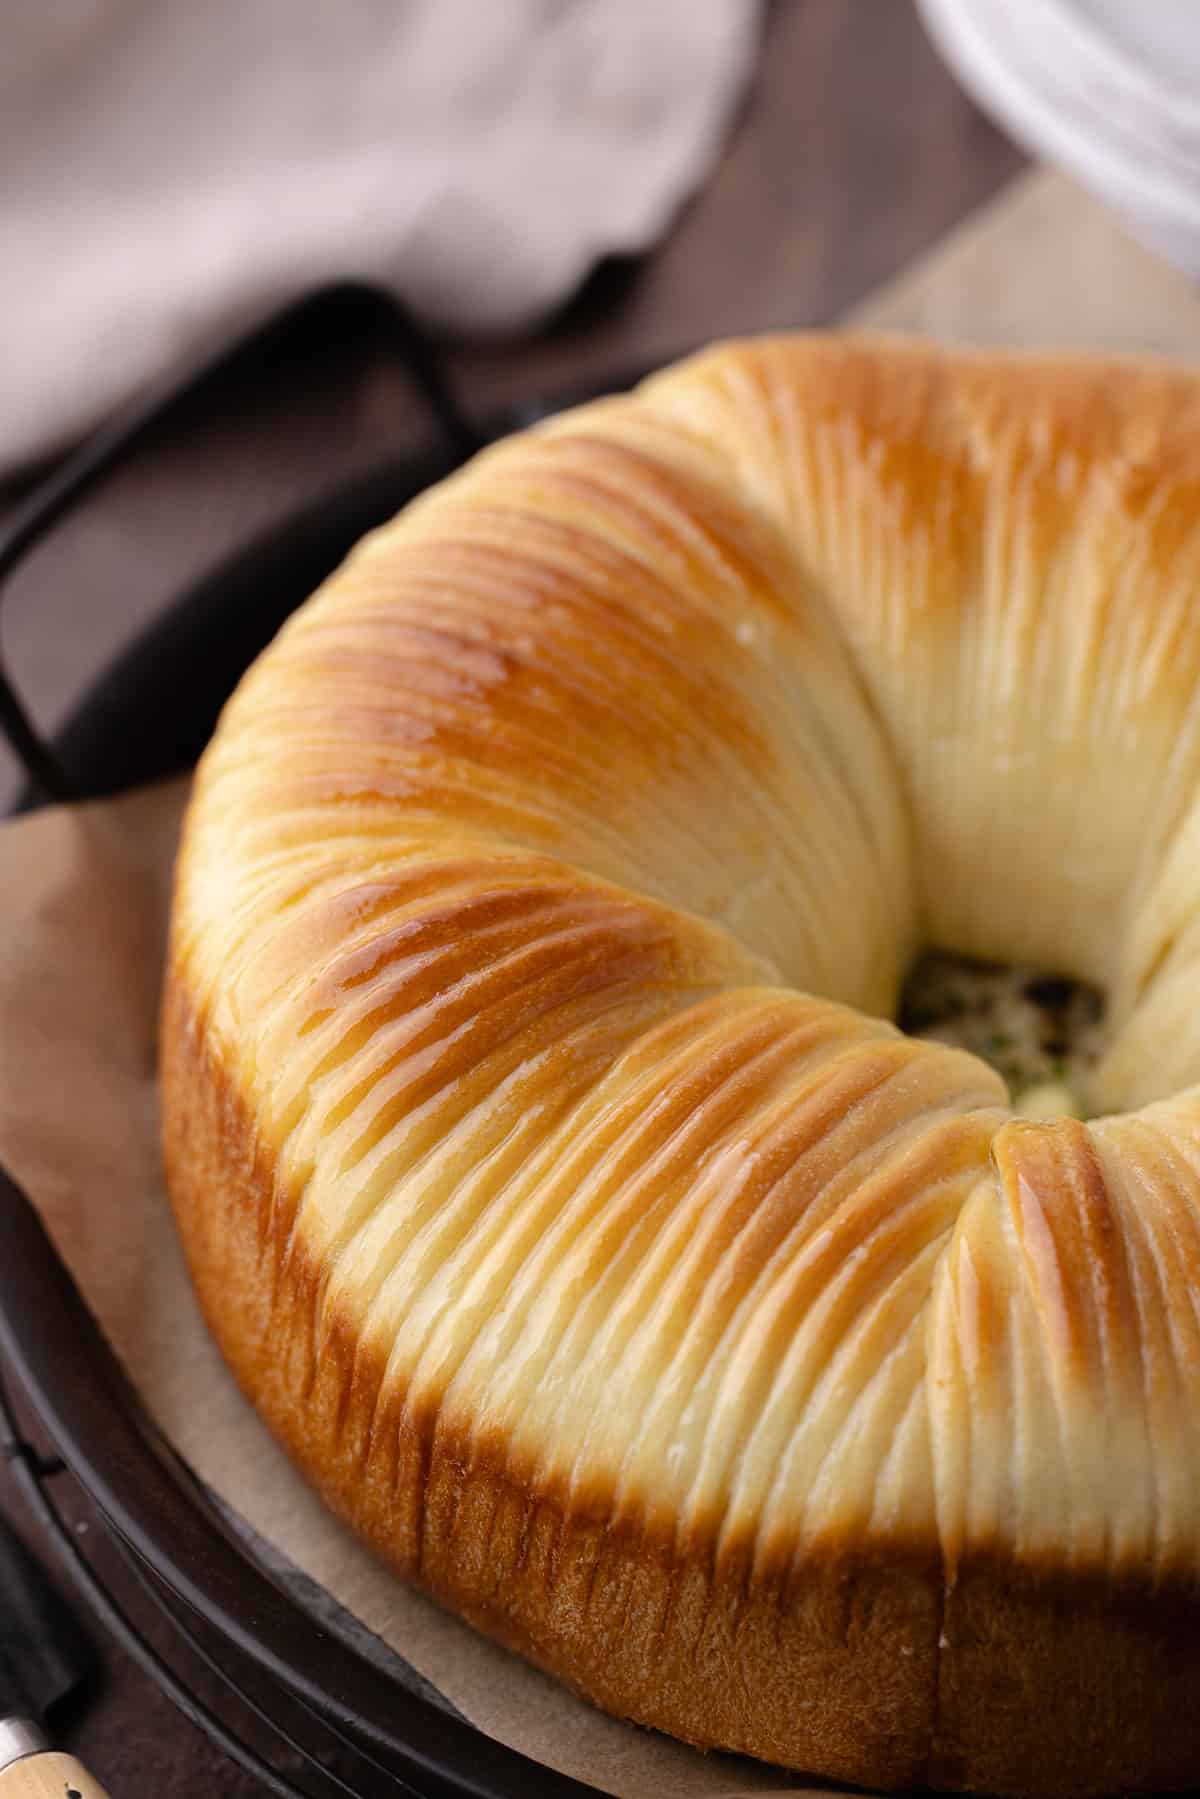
<point>1042,1032</point>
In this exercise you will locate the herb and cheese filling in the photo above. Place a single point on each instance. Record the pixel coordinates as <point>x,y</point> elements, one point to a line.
<point>1043,1033</point>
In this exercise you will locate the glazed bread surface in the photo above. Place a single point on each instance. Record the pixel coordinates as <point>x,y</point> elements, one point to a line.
<point>547,1166</point>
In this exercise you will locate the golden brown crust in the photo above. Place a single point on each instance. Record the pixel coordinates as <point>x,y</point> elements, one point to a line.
<point>503,1069</point>
<point>1063,1682</point>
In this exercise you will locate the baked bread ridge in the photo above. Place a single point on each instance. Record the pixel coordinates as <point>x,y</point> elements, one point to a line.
<point>1007,1682</point>
<point>1006,540</point>
<point>649,1630</point>
<point>457,1073</point>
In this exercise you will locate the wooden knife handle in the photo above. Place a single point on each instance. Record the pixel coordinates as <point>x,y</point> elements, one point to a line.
<point>50,1776</point>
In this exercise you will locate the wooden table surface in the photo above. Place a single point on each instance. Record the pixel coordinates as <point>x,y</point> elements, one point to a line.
<point>853,153</point>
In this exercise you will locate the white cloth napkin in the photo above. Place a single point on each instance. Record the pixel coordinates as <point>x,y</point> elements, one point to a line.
<point>171,166</point>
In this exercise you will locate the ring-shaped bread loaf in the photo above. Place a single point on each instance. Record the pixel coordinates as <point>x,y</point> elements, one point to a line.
<point>546,1168</point>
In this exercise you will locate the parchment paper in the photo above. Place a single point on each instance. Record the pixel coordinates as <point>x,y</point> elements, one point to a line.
<point>83,900</point>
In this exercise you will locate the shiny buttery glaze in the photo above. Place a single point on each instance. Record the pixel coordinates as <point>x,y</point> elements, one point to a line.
<point>542,894</point>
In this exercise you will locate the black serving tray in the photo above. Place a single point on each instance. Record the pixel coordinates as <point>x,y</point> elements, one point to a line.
<point>333,1717</point>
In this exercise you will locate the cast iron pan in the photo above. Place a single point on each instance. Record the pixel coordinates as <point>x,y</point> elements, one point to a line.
<point>146,716</point>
